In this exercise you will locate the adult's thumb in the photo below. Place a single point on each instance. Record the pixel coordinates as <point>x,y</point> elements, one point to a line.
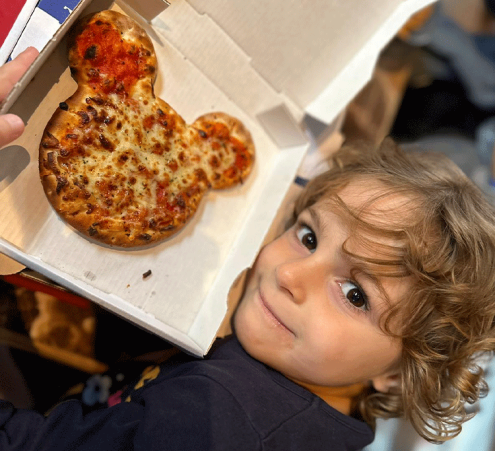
<point>11,127</point>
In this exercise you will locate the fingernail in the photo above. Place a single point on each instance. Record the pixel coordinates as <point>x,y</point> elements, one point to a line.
<point>16,124</point>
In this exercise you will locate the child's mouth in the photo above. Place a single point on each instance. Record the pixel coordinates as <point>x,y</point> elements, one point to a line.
<point>271,315</point>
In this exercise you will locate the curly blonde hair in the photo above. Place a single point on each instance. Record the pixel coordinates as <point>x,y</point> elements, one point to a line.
<point>446,243</point>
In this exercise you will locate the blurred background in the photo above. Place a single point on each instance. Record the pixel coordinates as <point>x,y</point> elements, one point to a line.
<point>434,87</point>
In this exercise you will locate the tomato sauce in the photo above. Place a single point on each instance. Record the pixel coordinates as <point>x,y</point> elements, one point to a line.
<point>114,59</point>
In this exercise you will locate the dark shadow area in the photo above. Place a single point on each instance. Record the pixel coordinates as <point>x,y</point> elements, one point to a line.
<point>13,160</point>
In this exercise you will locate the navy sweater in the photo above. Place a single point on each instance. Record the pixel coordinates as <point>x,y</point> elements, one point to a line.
<point>227,402</point>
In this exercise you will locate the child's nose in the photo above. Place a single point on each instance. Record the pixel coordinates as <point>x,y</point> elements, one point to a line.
<point>296,278</point>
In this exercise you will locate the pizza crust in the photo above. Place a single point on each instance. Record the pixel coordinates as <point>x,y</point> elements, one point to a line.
<point>121,165</point>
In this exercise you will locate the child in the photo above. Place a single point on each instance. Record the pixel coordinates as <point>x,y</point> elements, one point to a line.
<point>375,303</point>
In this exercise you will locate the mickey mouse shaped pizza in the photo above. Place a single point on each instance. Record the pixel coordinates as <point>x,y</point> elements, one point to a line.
<point>116,162</point>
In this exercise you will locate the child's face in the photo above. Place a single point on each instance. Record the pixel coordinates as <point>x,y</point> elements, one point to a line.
<point>305,315</point>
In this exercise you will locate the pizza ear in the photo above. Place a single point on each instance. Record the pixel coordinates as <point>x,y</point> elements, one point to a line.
<point>107,46</point>
<point>228,149</point>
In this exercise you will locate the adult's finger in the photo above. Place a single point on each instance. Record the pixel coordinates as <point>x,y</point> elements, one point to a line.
<point>11,72</point>
<point>11,127</point>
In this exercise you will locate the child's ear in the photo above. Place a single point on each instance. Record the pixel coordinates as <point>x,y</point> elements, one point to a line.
<point>387,382</point>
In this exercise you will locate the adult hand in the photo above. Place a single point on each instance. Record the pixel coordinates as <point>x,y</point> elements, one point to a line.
<point>11,126</point>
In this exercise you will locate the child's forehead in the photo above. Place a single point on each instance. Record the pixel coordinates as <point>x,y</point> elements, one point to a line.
<point>372,201</point>
<point>373,217</point>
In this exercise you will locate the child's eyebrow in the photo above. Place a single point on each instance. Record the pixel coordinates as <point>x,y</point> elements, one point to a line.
<point>355,263</point>
<point>315,216</point>
<point>360,267</point>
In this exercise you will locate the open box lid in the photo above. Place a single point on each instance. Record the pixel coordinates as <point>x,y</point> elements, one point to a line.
<point>317,53</point>
<point>202,68</point>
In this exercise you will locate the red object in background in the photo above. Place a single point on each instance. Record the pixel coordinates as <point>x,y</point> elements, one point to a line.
<point>8,14</point>
<point>22,280</point>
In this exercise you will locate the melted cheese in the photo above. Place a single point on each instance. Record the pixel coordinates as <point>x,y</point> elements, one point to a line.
<point>137,158</point>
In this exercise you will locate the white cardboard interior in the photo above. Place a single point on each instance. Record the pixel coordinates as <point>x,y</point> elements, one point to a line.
<point>209,59</point>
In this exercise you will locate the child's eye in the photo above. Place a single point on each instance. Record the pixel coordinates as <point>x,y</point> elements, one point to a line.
<point>354,295</point>
<point>307,237</point>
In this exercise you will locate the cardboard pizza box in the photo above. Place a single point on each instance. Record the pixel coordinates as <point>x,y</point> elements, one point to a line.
<point>31,23</point>
<point>268,64</point>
